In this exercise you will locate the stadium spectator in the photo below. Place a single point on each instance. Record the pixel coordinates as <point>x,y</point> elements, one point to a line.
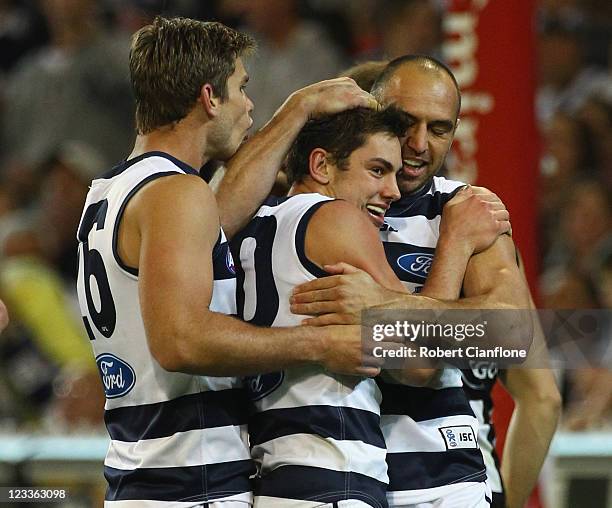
<point>566,79</point>
<point>74,88</point>
<point>292,53</point>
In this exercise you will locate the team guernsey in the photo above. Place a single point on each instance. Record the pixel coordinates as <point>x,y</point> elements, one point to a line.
<point>431,433</point>
<point>315,436</point>
<point>478,383</point>
<point>176,439</point>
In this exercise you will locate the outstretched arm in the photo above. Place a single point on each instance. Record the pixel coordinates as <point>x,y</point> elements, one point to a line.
<point>250,174</point>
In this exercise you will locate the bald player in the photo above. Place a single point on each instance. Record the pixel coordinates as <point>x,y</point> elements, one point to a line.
<point>428,92</point>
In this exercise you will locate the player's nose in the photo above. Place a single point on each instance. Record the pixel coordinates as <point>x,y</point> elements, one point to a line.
<point>417,138</point>
<point>390,191</point>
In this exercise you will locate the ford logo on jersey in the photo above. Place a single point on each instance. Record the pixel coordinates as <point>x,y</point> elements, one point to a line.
<point>117,376</point>
<point>264,384</point>
<point>417,264</point>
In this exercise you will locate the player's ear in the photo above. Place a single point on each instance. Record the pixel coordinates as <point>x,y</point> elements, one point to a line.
<point>209,100</point>
<point>457,122</point>
<point>318,166</point>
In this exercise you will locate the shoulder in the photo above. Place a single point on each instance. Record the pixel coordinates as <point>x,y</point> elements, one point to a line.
<point>176,189</point>
<point>177,199</point>
<point>337,222</point>
<point>446,185</point>
<point>339,215</point>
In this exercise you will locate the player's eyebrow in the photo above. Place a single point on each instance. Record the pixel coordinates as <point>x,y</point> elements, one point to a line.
<point>388,166</point>
<point>447,125</point>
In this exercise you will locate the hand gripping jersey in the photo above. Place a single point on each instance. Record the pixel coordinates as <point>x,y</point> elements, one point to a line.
<point>315,436</point>
<point>176,438</point>
<point>431,433</point>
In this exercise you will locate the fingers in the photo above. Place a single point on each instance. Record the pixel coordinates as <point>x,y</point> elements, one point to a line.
<point>460,196</point>
<point>504,227</point>
<point>368,371</point>
<point>334,318</point>
<point>340,268</point>
<point>316,285</point>
<point>496,205</point>
<point>482,191</point>
<point>337,94</point>
<point>315,308</point>
<point>319,295</point>
<point>501,215</point>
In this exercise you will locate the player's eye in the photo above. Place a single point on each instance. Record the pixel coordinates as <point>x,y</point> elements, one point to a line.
<point>440,131</point>
<point>377,170</point>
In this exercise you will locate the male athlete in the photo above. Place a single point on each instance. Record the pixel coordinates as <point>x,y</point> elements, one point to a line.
<point>428,92</point>
<point>156,277</point>
<point>316,436</point>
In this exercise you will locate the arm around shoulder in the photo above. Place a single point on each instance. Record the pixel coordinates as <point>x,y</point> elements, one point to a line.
<point>179,226</point>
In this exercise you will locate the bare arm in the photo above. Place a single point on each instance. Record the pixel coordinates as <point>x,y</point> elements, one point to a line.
<point>464,230</point>
<point>354,240</point>
<point>341,298</point>
<point>175,287</point>
<point>250,174</point>
<point>534,421</point>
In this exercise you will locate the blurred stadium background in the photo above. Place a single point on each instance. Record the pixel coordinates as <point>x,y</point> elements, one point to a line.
<point>536,127</point>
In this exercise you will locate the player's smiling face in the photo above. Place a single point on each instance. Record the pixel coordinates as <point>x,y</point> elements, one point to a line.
<point>430,98</point>
<point>369,178</point>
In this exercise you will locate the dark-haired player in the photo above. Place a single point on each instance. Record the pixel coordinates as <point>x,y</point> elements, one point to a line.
<point>316,436</point>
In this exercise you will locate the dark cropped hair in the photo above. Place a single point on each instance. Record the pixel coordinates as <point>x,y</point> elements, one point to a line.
<point>170,61</point>
<point>341,134</point>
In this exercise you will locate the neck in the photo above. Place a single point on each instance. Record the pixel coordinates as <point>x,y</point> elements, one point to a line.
<point>308,186</point>
<point>177,140</point>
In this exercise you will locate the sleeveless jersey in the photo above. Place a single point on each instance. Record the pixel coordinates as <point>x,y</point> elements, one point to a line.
<point>478,383</point>
<point>431,433</point>
<point>314,435</point>
<point>175,438</point>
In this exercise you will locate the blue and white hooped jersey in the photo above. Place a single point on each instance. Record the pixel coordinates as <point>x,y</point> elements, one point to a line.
<point>176,438</point>
<point>431,433</point>
<point>478,383</point>
<point>315,436</point>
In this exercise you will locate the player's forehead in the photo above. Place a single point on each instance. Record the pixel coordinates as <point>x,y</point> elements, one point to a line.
<point>240,72</point>
<point>379,147</point>
<point>422,93</point>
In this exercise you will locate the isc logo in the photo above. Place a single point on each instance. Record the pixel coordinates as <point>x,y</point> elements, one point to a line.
<point>458,436</point>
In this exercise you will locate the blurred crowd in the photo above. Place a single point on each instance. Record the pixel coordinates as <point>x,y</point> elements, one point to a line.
<point>66,115</point>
